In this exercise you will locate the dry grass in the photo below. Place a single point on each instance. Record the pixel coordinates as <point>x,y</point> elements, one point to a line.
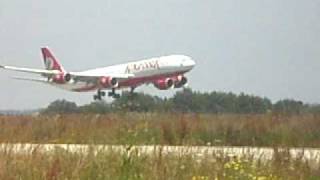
<point>165,129</point>
<point>132,164</point>
<point>171,129</point>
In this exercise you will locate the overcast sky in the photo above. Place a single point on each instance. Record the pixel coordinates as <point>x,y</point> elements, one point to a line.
<point>262,47</point>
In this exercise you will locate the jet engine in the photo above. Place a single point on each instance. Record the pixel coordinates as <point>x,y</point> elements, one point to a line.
<point>61,78</point>
<point>180,82</point>
<point>108,82</point>
<point>164,84</point>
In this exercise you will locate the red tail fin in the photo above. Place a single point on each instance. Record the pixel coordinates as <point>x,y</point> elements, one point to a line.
<point>50,61</point>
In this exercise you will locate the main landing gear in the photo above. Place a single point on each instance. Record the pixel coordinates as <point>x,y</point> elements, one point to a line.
<point>113,94</point>
<point>100,94</point>
<point>132,90</point>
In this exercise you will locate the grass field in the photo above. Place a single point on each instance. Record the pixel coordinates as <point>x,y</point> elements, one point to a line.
<point>164,129</point>
<point>132,164</point>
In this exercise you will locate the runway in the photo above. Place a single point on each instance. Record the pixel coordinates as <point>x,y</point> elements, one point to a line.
<point>309,154</point>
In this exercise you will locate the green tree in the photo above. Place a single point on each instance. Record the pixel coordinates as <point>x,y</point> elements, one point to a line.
<point>139,102</point>
<point>61,107</point>
<point>289,106</point>
<point>98,107</point>
<point>183,100</point>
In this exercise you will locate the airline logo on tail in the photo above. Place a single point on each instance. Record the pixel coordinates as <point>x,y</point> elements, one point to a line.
<point>50,61</point>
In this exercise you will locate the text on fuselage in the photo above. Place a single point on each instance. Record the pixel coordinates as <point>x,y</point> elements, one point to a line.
<point>142,66</point>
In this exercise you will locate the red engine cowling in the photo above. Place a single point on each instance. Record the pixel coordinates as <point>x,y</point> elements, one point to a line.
<point>180,82</point>
<point>61,78</point>
<point>108,82</point>
<point>164,84</point>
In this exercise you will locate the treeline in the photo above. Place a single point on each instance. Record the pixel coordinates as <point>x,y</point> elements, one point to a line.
<point>188,101</point>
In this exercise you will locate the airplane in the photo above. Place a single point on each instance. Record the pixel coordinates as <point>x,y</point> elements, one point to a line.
<point>164,73</point>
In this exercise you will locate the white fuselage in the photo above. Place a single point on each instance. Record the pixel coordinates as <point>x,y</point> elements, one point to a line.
<point>160,66</point>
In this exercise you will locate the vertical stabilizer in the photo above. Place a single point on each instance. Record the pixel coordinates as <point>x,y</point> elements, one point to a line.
<point>50,61</point>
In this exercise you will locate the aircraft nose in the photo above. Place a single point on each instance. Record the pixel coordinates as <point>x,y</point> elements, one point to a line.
<point>190,62</point>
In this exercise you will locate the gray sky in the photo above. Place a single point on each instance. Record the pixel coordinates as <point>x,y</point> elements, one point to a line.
<point>262,47</point>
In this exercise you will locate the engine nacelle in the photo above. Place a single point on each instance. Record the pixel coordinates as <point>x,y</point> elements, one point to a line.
<point>180,82</point>
<point>164,84</point>
<point>108,82</point>
<point>61,78</point>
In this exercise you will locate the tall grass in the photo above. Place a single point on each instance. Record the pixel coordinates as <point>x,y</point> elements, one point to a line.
<point>132,164</point>
<point>161,129</point>
<point>164,129</point>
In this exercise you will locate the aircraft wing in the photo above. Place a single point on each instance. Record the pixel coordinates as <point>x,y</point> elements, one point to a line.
<point>29,70</point>
<point>80,76</point>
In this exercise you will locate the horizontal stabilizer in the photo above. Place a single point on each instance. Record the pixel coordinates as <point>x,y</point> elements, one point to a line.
<point>30,79</point>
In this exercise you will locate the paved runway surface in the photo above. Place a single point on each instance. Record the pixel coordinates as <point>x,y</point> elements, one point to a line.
<point>310,154</point>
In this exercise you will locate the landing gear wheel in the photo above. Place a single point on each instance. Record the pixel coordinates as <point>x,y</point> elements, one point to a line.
<point>96,97</point>
<point>113,94</point>
<point>102,93</point>
<point>116,96</point>
<point>99,95</point>
<point>110,94</point>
